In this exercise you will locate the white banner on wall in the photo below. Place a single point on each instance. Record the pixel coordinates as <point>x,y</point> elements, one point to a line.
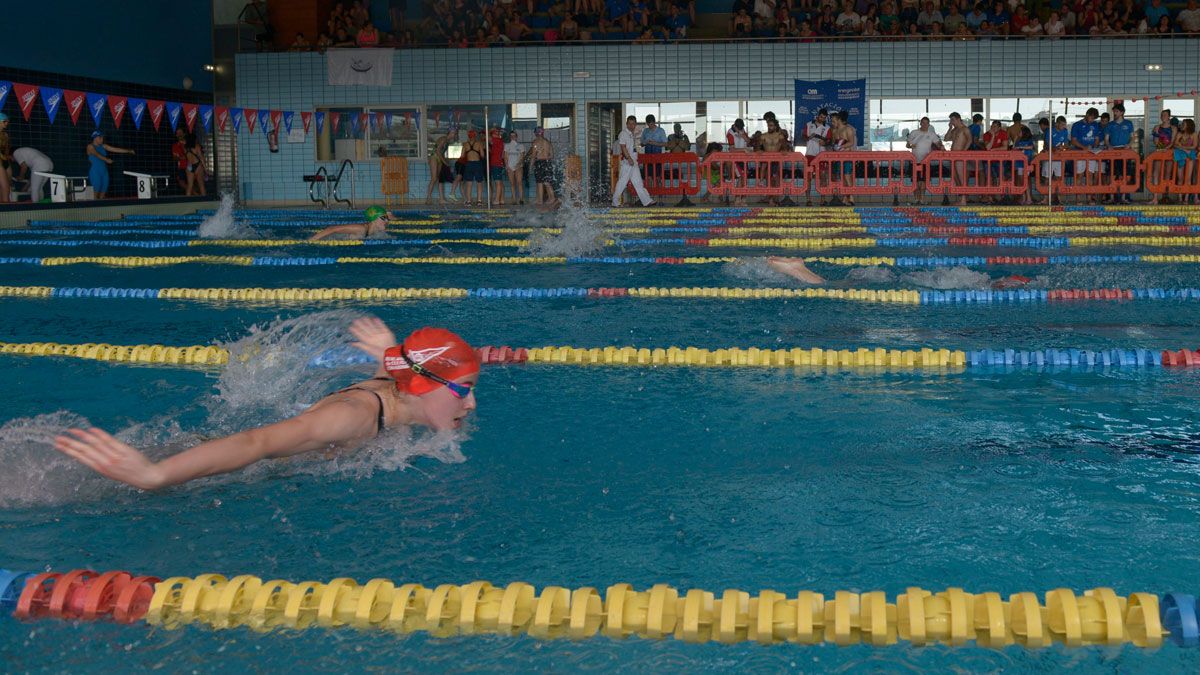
<point>371,67</point>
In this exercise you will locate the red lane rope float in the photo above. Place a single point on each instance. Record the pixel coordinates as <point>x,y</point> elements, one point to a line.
<point>85,595</point>
<point>1184,358</point>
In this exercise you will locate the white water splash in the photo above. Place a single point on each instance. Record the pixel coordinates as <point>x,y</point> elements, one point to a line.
<point>268,379</point>
<point>871,275</point>
<point>221,225</point>
<point>581,235</point>
<point>949,278</point>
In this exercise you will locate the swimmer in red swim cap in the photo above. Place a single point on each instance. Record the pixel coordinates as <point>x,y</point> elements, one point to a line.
<point>427,380</point>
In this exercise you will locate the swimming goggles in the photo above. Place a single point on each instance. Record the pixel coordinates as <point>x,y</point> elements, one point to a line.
<point>458,389</point>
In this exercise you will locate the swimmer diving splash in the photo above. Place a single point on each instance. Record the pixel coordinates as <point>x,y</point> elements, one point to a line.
<point>427,380</point>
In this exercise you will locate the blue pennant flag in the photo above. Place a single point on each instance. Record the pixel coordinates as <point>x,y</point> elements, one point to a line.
<point>206,113</point>
<point>235,114</point>
<point>264,119</point>
<point>320,122</point>
<point>5,87</point>
<point>52,100</point>
<point>137,108</point>
<point>287,120</point>
<point>96,103</point>
<point>174,110</point>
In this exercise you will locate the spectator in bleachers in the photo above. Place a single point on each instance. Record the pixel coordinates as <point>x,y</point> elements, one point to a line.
<point>825,23</point>
<point>741,24</point>
<point>342,39</point>
<point>954,19</point>
<point>888,16</point>
<point>324,41</point>
<point>999,17</point>
<point>1155,12</point>
<point>568,30</point>
<point>1188,19</point>
<point>1054,26</point>
<point>922,141</point>
<point>929,16</point>
<point>1034,28</point>
<point>368,36</point>
<point>300,44</point>
<point>976,17</point>
<point>849,22</point>
<point>909,11</point>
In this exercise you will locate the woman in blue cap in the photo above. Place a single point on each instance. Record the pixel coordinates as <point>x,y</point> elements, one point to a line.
<point>97,154</point>
<point>374,228</point>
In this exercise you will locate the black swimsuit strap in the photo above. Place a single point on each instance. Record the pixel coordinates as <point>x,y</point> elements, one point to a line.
<point>379,425</point>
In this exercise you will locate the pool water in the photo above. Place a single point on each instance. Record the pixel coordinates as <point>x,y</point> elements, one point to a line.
<point>987,479</point>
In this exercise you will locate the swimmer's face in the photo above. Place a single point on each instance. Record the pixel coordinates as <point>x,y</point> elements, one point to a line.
<point>445,411</point>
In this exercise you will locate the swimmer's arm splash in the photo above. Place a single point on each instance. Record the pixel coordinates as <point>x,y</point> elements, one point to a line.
<point>336,422</point>
<point>359,230</point>
<point>374,338</point>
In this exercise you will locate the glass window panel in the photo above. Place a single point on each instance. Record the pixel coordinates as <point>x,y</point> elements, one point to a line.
<point>524,111</point>
<point>721,115</point>
<point>345,140</point>
<point>1182,108</point>
<point>400,138</point>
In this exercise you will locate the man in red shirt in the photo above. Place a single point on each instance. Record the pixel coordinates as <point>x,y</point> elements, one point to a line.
<point>496,165</point>
<point>179,154</point>
<point>996,138</point>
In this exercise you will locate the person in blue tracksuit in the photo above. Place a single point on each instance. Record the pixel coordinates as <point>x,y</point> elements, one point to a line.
<point>97,154</point>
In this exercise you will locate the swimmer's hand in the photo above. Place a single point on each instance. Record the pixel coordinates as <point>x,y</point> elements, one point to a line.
<point>109,457</point>
<point>373,335</point>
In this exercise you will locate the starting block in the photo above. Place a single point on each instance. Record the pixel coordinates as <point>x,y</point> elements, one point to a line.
<point>67,188</point>
<point>148,185</point>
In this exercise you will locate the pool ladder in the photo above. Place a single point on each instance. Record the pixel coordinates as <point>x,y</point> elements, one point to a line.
<point>330,186</point>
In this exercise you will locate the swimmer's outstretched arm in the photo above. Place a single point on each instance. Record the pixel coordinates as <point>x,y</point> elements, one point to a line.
<point>373,337</point>
<point>355,228</point>
<point>341,421</point>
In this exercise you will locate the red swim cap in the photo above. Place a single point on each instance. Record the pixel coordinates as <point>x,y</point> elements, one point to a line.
<point>441,352</point>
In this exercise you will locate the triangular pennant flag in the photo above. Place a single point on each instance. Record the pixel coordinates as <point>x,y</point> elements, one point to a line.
<point>74,101</point>
<point>388,119</point>
<point>51,100</point>
<point>96,103</point>
<point>249,114</point>
<point>222,117</point>
<point>264,117</point>
<point>362,122</point>
<point>156,110</point>
<point>174,112</point>
<point>235,116</point>
<point>288,115</point>
<point>417,119</point>
<point>306,120</point>
<point>116,106</point>
<point>276,116</point>
<point>189,115</point>
<point>379,119</point>
<point>334,118</point>
<point>355,124</point>
<point>26,95</point>
<point>320,123</point>
<point>137,109</point>
<point>5,87</point>
<point>206,115</point>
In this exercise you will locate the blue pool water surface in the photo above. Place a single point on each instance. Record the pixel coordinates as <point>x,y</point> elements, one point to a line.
<point>587,476</point>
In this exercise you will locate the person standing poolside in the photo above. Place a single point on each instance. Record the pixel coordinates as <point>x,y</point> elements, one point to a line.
<point>1117,136</point>
<point>473,172</point>
<point>775,140</point>
<point>496,165</point>
<point>5,160</point>
<point>629,166</point>
<point>543,169</point>
<point>179,154</point>
<point>514,160</point>
<point>960,139</point>
<point>845,139</point>
<point>30,162</point>
<point>197,168</point>
<point>922,141</point>
<point>428,380</point>
<point>815,136</point>
<point>439,168</point>
<point>374,228</point>
<point>97,154</point>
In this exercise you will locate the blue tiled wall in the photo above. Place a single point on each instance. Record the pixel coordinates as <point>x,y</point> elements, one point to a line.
<point>626,73</point>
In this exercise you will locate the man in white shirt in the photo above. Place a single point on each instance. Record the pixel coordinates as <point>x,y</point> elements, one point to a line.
<point>1189,19</point>
<point>814,136</point>
<point>30,160</point>
<point>922,141</point>
<point>849,22</point>
<point>629,166</point>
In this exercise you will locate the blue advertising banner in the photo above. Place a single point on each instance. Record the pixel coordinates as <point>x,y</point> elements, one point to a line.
<point>834,96</point>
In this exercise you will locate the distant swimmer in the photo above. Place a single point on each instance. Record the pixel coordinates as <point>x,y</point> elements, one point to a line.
<point>375,227</point>
<point>428,380</point>
<point>795,268</point>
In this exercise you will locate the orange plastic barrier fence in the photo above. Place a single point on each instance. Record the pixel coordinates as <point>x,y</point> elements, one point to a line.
<point>671,173</point>
<point>975,172</point>
<point>1106,172</point>
<point>855,172</point>
<point>1164,174</point>
<point>394,178</point>
<point>745,174</point>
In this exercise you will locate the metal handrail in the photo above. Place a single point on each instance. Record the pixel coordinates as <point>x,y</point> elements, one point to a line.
<point>336,182</point>
<point>312,186</point>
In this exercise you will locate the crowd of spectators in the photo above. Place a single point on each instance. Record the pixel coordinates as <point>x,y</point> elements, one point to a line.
<point>497,23</point>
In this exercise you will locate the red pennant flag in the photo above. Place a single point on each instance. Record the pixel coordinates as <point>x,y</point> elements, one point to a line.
<point>306,117</point>
<point>362,120</point>
<point>276,115</point>
<point>437,116</point>
<point>156,110</point>
<point>189,114</point>
<point>26,97</point>
<point>251,116</point>
<point>117,105</point>
<point>334,118</point>
<point>379,121</point>
<point>222,117</point>
<point>74,102</point>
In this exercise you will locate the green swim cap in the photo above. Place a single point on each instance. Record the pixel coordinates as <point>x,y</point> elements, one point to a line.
<point>374,212</point>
